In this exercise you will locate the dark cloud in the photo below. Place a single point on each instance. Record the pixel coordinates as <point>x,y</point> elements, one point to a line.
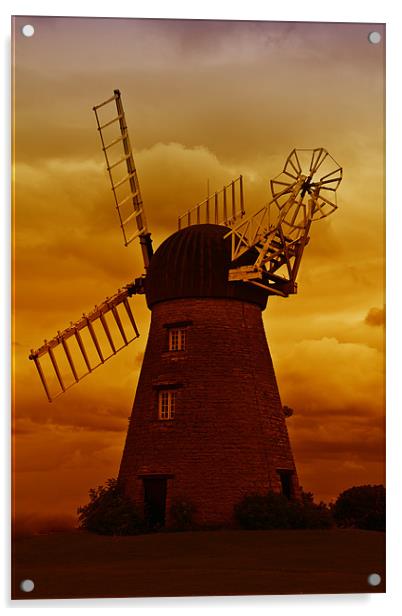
<point>338,438</point>
<point>227,86</point>
<point>375,317</point>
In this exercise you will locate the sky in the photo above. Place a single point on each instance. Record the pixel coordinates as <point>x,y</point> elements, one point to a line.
<point>205,101</point>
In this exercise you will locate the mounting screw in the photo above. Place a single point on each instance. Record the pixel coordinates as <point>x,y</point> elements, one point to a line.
<point>27,585</point>
<point>374,579</point>
<point>28,30</point>
<point>374,37</point>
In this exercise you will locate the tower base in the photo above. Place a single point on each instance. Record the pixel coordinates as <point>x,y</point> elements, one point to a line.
<point>207,426</point>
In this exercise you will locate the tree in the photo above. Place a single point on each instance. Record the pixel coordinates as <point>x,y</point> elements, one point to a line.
<point>287,411</point>
<point>110,512</point>
<point>361,507</point>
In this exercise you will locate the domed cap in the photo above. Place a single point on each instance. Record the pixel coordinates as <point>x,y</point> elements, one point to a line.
<point>194,262</point>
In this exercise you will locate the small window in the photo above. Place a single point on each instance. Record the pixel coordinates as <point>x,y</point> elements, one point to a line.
<point>177,339</point>
<point>167,403</point>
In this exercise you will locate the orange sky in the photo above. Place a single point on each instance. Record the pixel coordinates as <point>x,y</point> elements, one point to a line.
<point>203,100</point>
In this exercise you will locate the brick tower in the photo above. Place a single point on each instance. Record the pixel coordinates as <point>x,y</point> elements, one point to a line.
<point>207,424</point>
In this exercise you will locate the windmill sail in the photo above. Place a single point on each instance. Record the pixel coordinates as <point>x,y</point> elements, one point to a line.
<point>122,173</point>
<point>86,344</point>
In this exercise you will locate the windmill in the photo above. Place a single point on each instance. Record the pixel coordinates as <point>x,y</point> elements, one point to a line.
<point>207,424</point>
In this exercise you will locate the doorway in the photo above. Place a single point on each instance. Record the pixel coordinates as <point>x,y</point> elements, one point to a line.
<point>155,501</point>
<point>286,478</point>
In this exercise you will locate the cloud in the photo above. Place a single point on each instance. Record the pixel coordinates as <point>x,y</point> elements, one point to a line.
<point>66,448</point>
<point>67,231</point>
<point>100,402</point>
<point>225,85</point>
<point>375,317</point>
<point>335,475</point>
<point>337,392</point>
<point>318,376</point>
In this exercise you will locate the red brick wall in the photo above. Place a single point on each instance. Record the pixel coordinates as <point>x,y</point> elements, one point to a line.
<point>229,434</point>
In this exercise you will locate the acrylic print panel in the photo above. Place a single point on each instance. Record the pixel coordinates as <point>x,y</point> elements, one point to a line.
<point>237,445</point>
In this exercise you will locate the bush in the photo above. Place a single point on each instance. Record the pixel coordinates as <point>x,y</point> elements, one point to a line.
<point>182,512</point>
<point>361,507</point>
<point>308,514</point>
<point>272,510</point>
<point>110,512</point>
<point>257,511</point>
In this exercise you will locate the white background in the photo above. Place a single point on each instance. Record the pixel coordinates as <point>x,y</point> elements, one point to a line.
<point>291,10</point>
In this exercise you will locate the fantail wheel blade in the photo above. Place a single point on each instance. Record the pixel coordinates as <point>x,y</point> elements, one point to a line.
<point>304,191</point>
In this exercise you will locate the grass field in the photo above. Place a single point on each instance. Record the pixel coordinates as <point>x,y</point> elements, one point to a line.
<point>77,564</point>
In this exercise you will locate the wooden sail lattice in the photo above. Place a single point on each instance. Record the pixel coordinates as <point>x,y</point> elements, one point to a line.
<point>122,172</point>
<point>224,207</point>
<point>86,344</point>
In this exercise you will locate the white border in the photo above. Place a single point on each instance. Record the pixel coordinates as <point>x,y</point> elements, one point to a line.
<point>340,11</point>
